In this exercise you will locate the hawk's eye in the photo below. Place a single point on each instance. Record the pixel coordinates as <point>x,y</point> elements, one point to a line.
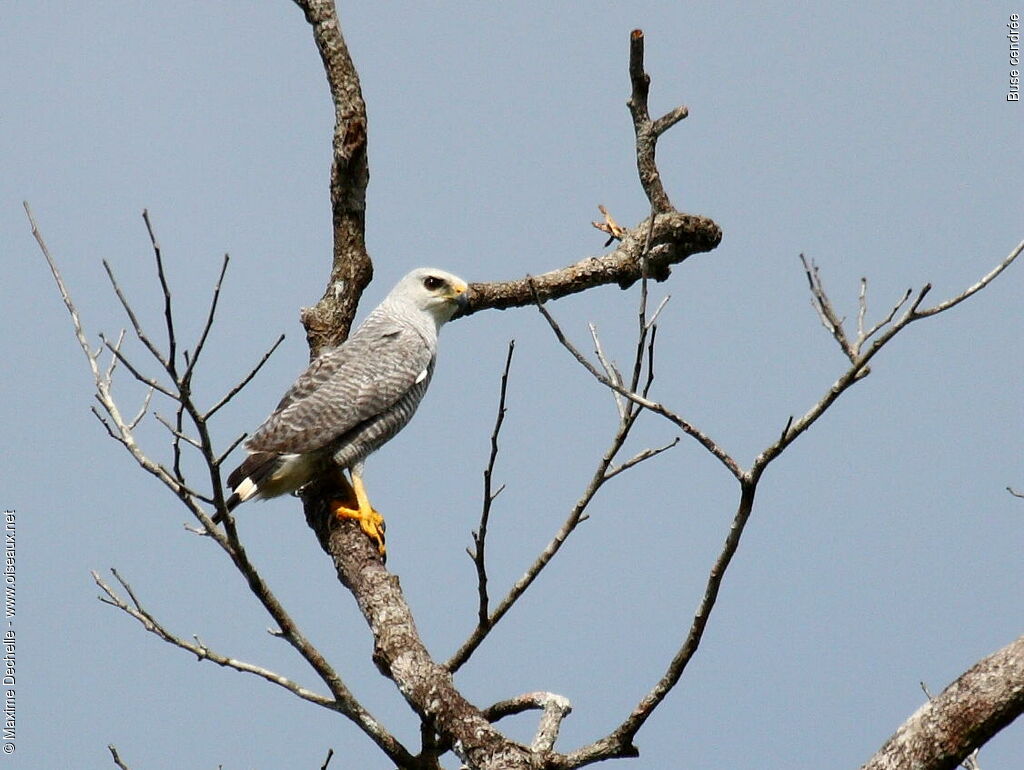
<point>433,283</point>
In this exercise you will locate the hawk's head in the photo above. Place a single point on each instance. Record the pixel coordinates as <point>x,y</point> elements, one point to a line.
<point>434,291</point>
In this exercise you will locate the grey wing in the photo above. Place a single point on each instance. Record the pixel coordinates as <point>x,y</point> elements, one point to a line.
<point>345,387</point>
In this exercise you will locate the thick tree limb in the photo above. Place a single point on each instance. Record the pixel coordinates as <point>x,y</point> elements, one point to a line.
<point>328,322</point>
<point>647,251</point>
<point>674,237</point>
<point>398,650</point>
<point>945,730</point>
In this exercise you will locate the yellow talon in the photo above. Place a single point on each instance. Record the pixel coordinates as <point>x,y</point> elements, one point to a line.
<point>371,522</point>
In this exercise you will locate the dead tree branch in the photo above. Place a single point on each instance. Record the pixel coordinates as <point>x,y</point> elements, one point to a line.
<point>555,707</point>
<point>180,395</point>
<point>400,653</point>
<point>116,757</point>
<point>328,322</point>
<point>647,131</point>
<point>859,362</point>
<point>197,647</point>
<point>647,251</point>
<point>948,728</point>
<point>478,552</point>
<point>673,238</point>
<point>605,472</point>
<point>619,743</point>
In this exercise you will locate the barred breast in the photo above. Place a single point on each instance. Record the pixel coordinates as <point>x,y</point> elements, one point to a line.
<point>354,446</point>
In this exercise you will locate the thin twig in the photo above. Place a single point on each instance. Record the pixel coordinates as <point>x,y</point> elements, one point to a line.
<point>117,757</point>
<point>136,326</point>
<point>245,381</point>
<point>327,761</point>
<point>178,435</point>
<point>109,375</point>
<point>231,448</point>
<point>689,429</point>
<point>134,423</point>
<point>197,648</point>
<point>639,458</point>
<point>149,382</point>
<point>610,371</point>
<point>480,536</point>
<point>974,289</point>
<point>865,336</point>
<point>187,376</point>
<point>826,312</point>
<point>170,362</point>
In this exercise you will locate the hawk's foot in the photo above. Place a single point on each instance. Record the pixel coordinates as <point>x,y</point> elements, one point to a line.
<point>371,522</point>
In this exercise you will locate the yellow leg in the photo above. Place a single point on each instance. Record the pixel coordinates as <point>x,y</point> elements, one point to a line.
<point>371,522</point>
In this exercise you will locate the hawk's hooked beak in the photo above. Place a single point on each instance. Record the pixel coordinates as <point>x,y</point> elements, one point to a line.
<point>461,296</point>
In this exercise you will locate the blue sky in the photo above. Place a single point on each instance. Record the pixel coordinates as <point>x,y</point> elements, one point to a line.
<point>884,550</point>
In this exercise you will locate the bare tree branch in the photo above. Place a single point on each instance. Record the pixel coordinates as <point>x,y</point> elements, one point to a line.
<point>327,759</point>
<point>829,319</point>
<point>703,439</point>
<point>149,382</point>
<point>244,381</point>
<point>171,361</point>
<point>619,743</point>
<point>613,374</point>
<point>477,554</point>
<point>948,728</point>
<point>638,458</point>
<point>646,130</point>
<point>674,237</point>
<point>211,313</point>
<point>973,289</point>
<point>328,322</point>
<point>117,757</point>
<point>862,357</point>
<point>139,332</point>
<point>196,647</point>
<point>176,432</point>
<point>228,540</point>
<point>604,473</point>
<point>555,707</point>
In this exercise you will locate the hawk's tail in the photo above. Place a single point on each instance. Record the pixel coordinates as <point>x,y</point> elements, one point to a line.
<point>245,481</point>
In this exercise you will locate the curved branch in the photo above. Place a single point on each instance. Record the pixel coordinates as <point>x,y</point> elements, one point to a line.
<point>946,729</point>
<point>619,743</point>
<point>673,238</point>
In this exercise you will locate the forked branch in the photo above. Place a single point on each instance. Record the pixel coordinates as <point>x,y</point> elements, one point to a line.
<point>123,431</point>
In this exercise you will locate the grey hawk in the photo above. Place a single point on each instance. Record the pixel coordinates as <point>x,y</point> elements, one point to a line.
<point>353,399</point>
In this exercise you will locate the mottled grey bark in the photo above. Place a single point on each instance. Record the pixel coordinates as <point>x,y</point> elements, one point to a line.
<point>946,729</point>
